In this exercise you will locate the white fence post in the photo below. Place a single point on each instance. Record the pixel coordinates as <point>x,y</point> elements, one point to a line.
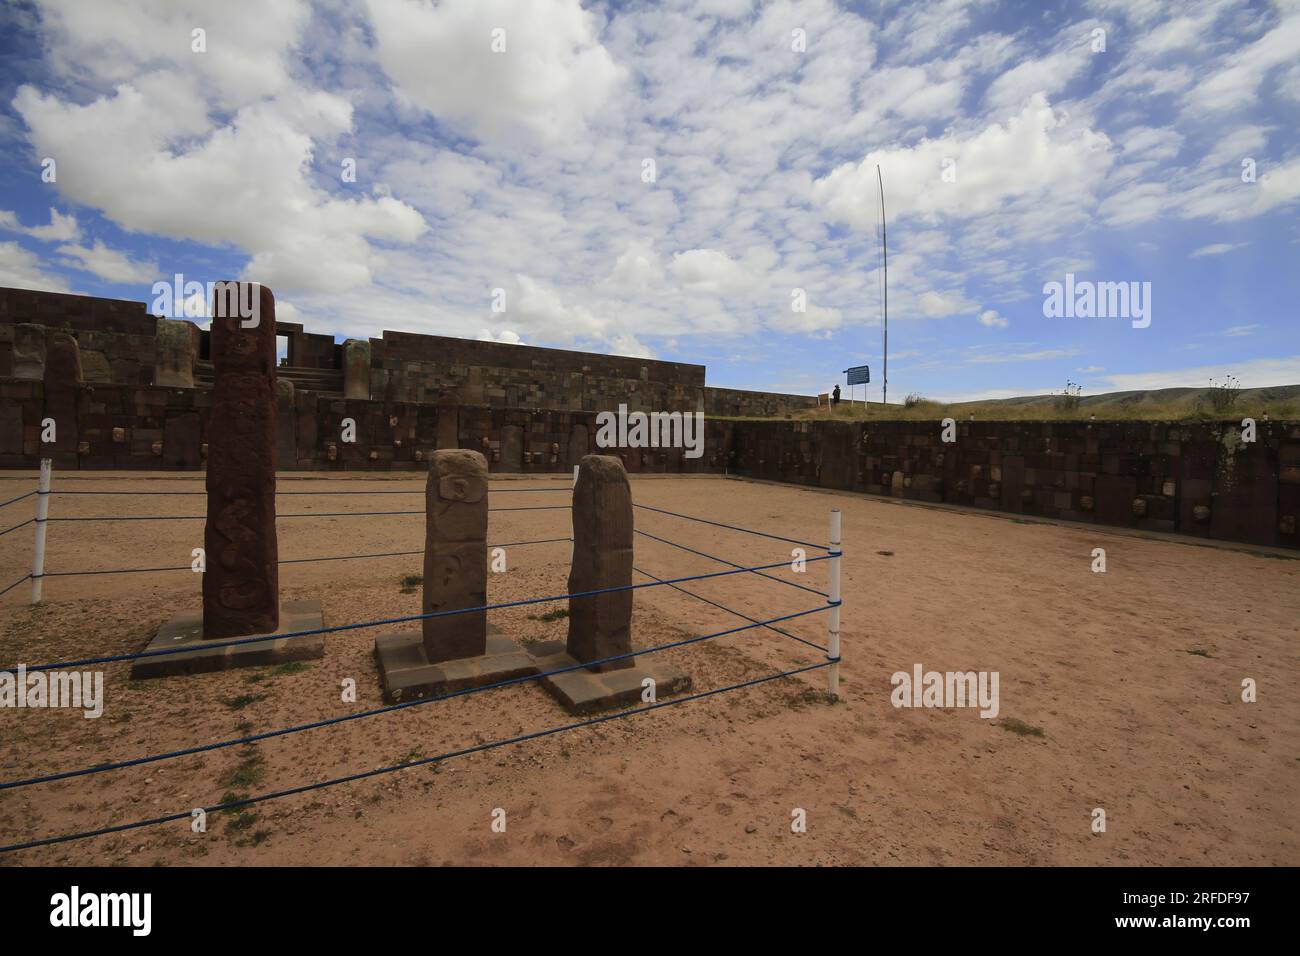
<point>833,644</point>
<point>42,514</point>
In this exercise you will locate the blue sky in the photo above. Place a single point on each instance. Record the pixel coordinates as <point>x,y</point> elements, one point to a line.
<point>1014,150</point>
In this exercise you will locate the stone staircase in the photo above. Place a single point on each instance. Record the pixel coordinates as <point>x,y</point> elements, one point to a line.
<point>326,381</point>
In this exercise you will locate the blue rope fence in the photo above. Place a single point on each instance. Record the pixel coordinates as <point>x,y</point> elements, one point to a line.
<point>304,514</point>
<point>11,501</point>
<point>732,527</point>
<point>25,577</point>
<point>405,619</point>
<point>712,557</point>
<point>173,494</point>
<point>391,708</point>
<point>17,526</point>
<point>341,557</point>
<point>423,761</point>
<point>723,607</point>
<point>253,738</point>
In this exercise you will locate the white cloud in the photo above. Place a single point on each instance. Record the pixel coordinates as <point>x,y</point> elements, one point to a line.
<point>1057,167</point>
<point>60,229</point>
<point>552,75</point>
<point>1255,373</point>
<point>505,335</point>
<point>1235,83</point>
<point>1215,249</point>
<point>1040,355</point>
<point>21,269</point>
<point>707,270</point>
<point>157,167</point>
<point>109,264</point>
<point>110,42</point>
<point>990,319</point>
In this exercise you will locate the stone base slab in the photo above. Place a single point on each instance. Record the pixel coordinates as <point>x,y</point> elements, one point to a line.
<point>186,630</point>
<point>585,692</point>
<point>405,672</point>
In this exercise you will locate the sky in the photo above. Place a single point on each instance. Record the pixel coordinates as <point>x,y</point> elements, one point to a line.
<point>686,181</point>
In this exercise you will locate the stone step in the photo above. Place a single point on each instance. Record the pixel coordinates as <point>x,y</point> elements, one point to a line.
<point>328,381</point>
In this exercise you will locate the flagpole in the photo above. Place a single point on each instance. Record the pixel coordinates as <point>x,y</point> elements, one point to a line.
<point>884,258</point>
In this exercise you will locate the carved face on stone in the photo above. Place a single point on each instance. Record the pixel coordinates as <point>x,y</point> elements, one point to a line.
<point>467,488</point>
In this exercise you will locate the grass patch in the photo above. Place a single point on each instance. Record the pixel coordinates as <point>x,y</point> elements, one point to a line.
<point>558,614</point>
<point>257,838</point>
<point>1022,728</point>
<point>248,773</point>
<point>242,701</point>
<point>290,667</point>
<point>410,582</point>
<point>1198,652</point>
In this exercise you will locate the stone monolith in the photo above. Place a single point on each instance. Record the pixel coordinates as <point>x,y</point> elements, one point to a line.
<point>455,554</point>
<point>241,584</point>
<point>600,626</point>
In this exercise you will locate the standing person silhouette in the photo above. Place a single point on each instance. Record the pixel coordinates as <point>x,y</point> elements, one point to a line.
<point>835,395</point>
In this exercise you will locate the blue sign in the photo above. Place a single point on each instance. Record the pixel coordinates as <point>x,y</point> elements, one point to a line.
<point>859,375</point>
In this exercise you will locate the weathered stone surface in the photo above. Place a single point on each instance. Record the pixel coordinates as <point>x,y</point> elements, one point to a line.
<point>62,359</point>
<point>286,425</point>
<point>583,692</point>
<point>181,440</point>
<point>176,348</point>
<point>448,425</point>
<point>95,367</point>
<point>406,673</point>
<point>188,630</point>
<point>356,368</point>
<point>512,448</point>
<point>600,626</point>
<point>29,351</point>
<point>455,554</point>
<point>241,584</point>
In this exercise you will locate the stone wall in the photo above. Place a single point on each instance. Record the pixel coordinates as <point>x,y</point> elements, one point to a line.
<point>116,337</point>
<point>1196,479</point>
<point>430,368</point>
<point>741,403</point>
<point>151,427</point>
<point>119,344</point>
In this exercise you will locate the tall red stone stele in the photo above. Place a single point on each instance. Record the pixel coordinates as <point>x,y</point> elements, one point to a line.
<point>241,582</point>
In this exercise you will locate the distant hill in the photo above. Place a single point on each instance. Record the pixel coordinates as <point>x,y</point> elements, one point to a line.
<point>1281,402</point>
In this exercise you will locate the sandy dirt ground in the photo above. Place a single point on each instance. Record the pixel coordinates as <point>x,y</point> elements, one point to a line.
<point>1119,691</point>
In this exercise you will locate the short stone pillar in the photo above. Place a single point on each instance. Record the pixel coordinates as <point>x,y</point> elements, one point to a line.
<point>455,554</point>
<point>241,586</point>
<point>62,359</point>
<point>454,651</point>
<point>356,368</point>
<point>600,626</point>
<point>29,351</point>
<point>175,349</point>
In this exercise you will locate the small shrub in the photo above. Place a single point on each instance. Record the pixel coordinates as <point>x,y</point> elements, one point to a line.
<point>1068,400</point>
<point>1223,395</point>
